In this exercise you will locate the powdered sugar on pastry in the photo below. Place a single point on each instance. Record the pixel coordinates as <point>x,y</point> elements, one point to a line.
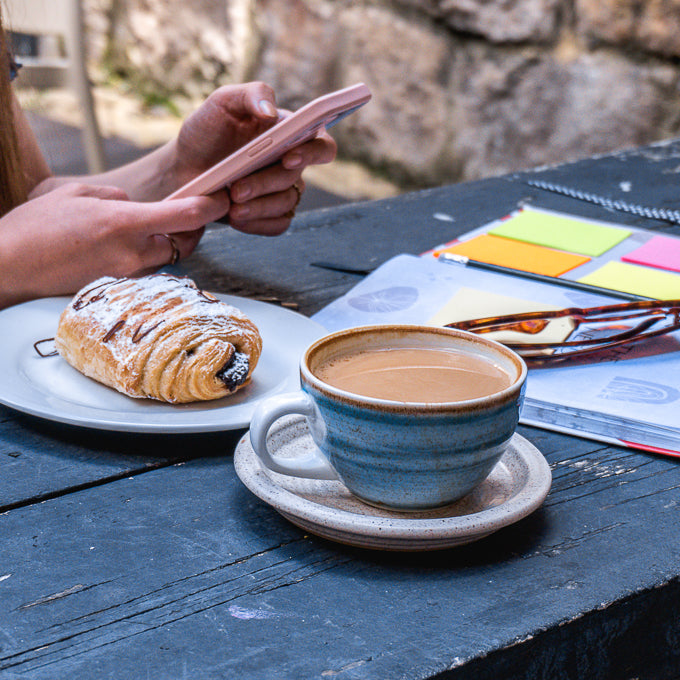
<point>158,336</point>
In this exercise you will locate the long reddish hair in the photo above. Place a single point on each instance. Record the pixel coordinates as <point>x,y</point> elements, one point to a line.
<point>12,180</point>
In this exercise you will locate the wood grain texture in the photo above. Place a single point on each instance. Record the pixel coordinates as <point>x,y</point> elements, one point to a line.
<point>142,556</point>
<point>183,564</point>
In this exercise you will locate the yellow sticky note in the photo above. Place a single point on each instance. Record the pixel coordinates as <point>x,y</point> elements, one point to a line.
<point>563,232</point>
<point>630,278</point>
<point>470,303</point>
<point>517,255</point>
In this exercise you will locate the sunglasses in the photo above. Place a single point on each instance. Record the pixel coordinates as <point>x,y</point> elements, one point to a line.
<point>588,330</point>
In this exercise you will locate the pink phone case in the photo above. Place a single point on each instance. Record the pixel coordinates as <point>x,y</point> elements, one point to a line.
<point>272,144</point>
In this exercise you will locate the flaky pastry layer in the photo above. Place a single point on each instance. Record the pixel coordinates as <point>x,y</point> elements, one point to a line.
<point>158,336</point>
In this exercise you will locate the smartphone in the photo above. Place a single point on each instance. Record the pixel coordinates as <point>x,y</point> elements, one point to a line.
<point>268,147</point>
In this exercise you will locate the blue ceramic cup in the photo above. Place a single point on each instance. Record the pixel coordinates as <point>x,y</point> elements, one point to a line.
<point>396,454</point>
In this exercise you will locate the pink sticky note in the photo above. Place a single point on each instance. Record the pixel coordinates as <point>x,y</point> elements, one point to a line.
<point>662,252</point>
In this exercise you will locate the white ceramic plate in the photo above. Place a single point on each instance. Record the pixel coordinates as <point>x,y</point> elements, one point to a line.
<point>50,388</point>
<point>516,487</point>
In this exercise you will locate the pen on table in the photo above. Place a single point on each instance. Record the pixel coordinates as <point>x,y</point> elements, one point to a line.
<point>452,258</point>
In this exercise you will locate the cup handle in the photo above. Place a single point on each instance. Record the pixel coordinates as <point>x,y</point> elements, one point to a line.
<point>311,466</point>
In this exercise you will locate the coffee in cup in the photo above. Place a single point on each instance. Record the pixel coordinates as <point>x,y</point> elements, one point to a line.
<point>407,417</point>
<point>414,374</point>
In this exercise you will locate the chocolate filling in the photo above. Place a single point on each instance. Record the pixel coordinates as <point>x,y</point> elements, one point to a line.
<point>235,371</point>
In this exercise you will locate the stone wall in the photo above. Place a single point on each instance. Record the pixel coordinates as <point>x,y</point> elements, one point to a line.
<point>462,88</point>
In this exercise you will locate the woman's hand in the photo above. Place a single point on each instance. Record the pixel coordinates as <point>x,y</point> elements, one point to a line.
<point>263,202</point>
<point>58,242</point>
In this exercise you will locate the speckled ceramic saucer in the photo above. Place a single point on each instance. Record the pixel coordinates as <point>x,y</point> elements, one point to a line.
<point>517,485</point>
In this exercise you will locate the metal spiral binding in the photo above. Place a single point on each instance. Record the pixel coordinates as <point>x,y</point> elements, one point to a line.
<point>641,210</point>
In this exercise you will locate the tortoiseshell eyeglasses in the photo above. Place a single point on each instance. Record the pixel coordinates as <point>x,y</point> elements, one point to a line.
<point>587,330</point>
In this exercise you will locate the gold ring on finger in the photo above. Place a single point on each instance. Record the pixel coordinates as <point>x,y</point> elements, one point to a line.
<point>298,190</point>
<point>174,257</point>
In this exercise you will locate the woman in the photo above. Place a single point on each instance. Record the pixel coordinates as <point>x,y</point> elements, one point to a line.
<point>58,233</point>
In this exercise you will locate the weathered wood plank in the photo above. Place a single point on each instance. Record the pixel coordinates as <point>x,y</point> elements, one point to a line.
<point>144,556</point>
<point>182,568</point>
<point>40,459</point>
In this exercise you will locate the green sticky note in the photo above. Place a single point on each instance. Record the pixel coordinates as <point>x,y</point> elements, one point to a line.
<point>630,278</point>
<point>561,232</point>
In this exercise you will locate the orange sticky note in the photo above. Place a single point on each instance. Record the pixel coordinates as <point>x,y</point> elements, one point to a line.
<point>517,255</point>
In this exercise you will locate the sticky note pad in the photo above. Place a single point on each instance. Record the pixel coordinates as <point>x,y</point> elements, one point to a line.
<point>561,232</point>
<point>631,278</point>
<point>660,251</point>
<point>517,255</point>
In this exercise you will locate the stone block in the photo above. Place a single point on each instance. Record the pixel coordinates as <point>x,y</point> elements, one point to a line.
<point>528,109</point>
<point>496,20</point>
<point>462,88</point>
<point>406,62</point>
<point>652,26</point>
<point>297,49</point>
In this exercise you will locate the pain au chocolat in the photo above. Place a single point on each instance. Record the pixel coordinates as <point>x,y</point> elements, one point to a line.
<point>158,336</point>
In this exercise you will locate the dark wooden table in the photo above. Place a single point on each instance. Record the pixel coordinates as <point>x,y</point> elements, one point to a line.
<point>143,556</point>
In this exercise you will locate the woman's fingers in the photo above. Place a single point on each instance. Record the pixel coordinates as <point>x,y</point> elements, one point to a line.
<point>263,226</point>
<point>255,99</point>
<point>271,180</point>
<point>261,101</point>
<point>181,245</point>
<point>182,214</point>
<point>282,175</point>
<point>273,205</point>
<point>176,215</point>
<point>169,249</point>
<point>322,149</point>
<point>144,236</point>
